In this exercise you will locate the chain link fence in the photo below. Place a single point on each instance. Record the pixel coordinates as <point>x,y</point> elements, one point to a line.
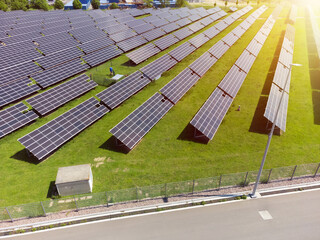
<point>156,191</point>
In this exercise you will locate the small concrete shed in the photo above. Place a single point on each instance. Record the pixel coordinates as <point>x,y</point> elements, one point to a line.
<point>74,180</point>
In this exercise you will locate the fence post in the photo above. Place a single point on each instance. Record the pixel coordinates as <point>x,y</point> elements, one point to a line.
<point>245,180</point>
<point>294,170</point>
<point>75,201</point>
<point>193,186</point>
<point>107,199</point>
<point>137,194</point>
<point>44,211</point>
<point>9,215</point>
<point>220,181</point>
<point>315,174</point>
<point>269,175</point>
<point>165,190</point>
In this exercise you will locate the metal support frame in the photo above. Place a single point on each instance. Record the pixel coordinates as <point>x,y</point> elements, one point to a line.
<point>220,181</point>
<point>137,193</point>
<point>107,199</point>
<point>193,182</point>
<point>245,179</point>
<point>315,174</point>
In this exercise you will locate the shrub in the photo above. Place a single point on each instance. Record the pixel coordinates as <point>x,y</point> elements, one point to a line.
<point>58,4</point>
<point>95,4</point>
<point>3,6</point>
<point>77,4</point>
<point>181,3</point>
<point>215,4</point>
<point>243,197</point>
<point>19,5</point>
<point>40,4</point>
<point>114,6</point>
<point>225,3</point>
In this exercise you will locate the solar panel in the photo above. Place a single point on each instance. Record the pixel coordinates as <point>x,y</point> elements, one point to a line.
<point>199,40</point>
<point>182,51</point>
<point>96,45</point>
<point>15,117</point>
<point>219,49</point>
<point>239,31</point>
<point>126,19</point>
<point>152,18</point>
<point>245,61</point>
<point>203,63</point>
<point>261,38</point>
<point>180,85</point>
<point>206,21</point>
<point>194,17</point>
<point>254,47</point>
<point>287,45</point>
<point>131,43</point>
<point>280,77</point>
<point>117,93</point>
<point>170,27</point>
<point>209,117</point>
<point>272,105</point>
<point>18,72</point>
<point>54,75</point>
<point>159,22</point>
<point>135,126</point>
<point>221,26</point>
<point>143,53</point>
<point>95,35</point>
<point>265,30</point>
<point>53,38</point>
<point>195,27</point>
<point>211,32</point>
<point>46,139</point>
<point>135,22</point>
<point>143,28</point>
<point>58,46</point>
<point>183,33</point>
<point>118,37</point>
<point>59,57</point>
<point>166,41</point>
<point>153,34</point>
<point>16,90</point>
<point>102,55</point>
<point>183,22</point>
<point>228,20</point>
<point>115,29</point>
<point>54,98</point>
<point>213,10</point>
<point>156,68</point>
<point>285,58</point>
<point>173,18</point>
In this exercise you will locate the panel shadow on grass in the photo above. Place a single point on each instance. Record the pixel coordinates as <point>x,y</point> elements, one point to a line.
<point>315,78</point>
<point>111,144</point>
<point>23,155</point>
<point>259,122</point>
<point>129,63</point>
<point>316,106</point>
<point>188,135</point>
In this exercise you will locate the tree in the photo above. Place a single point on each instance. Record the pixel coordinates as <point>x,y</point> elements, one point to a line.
<point>95,4</point>
<point>248,2</point>
<point>40,4</point>
<point>237,2</point>
<point>114,6</point>
<point>215,4</point>
<point>19,5</point>
<point>3,6</point>
<point>58,4</point>
<point>258,2</point>
<point>180,3</point>
<point>148,3</point>
<point>225,3</point>
<point>77,4</point>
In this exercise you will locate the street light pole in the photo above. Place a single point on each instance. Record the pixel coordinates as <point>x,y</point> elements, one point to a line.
<point>253,194</point>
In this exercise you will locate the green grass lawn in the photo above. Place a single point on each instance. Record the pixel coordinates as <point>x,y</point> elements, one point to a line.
<point>167,153</point>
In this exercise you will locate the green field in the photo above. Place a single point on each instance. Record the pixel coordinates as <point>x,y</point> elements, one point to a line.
<point>168,152</point>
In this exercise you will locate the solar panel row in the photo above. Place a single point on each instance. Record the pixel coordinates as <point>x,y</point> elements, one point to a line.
<point>14,118</point>
<point>46,139</point>
<point>127,131</point>
<point>52,99</point>
<point>281,82</point>
<point>208,119</point>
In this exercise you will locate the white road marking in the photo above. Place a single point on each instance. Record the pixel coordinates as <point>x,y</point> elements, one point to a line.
<point>265,215</point>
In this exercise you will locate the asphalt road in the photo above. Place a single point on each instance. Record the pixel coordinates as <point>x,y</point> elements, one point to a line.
<point>294,216</point>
